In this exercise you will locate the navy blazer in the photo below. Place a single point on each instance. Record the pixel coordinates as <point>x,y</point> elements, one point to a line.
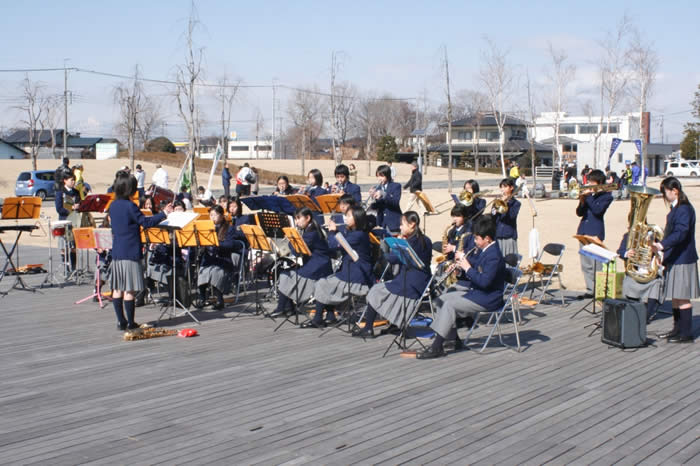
<point>318,265</point>
<point>388,208</point>
<point>622,250</point>
<point>220,256</point>
<point>487,278</point>
<point>238,235</point>
<point>592,210</point>
<point>353,190</point>
<point>507,224</point>
<point>679,236</point>
<point>126,217</point>
<point>414,280</point>
<point>355,272</point>
<point>58,202</point>
<point>316,191</point>
<point>453,237</point>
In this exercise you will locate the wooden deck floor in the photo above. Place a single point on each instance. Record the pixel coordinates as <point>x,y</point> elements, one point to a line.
<point>73,392</point>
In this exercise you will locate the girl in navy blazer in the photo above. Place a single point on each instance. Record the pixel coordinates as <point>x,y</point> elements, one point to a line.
<point>485,273</point>
<point>298,285</point>
<point>127,273</point>
<point>478,203</point>
<point>315,186</point>
<point>680,260</point>
<point>392,298</point>
<point>507,224</point>
<point>386,199</point>
<point>216,264</point>
<point>591,208</point>
<point>353,278</point>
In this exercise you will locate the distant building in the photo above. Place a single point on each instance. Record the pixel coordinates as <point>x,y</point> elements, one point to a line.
<point>468,133</point>
<point>250,149</point>
<point>78,146</point>
<point>10,151</point>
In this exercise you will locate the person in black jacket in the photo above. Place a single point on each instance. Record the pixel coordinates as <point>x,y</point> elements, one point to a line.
<point>61,172</point>
<point>415,182</point>
<point>394,298</point>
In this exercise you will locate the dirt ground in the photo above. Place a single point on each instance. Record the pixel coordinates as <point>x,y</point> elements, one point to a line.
<point>556,220</point>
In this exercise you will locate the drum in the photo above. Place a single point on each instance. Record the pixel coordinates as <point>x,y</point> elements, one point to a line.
<point>60,231</point>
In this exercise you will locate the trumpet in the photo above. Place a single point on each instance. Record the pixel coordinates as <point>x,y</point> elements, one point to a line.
<point>337,188</point>
<point>587,190</point>
<point>370,195</point>
<point>448,273</point>
<point>467,198</point>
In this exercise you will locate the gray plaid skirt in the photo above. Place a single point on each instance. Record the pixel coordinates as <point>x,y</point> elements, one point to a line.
<point>126,275</point>
<point>288,286</point>
<point>389,305</point>
<point>216,277</point>
<point>334,291</point>
<point>507,246</point>
<point>643,291</point>
<point>682,282</point>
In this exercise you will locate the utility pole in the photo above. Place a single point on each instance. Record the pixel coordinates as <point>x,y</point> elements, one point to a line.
<point>223,125</point>
<point>662,129</point>
<point>65,109</point>
<point>274,89</point>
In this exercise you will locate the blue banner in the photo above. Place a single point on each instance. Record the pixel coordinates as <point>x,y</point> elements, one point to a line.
<point>638,143</point>
<point>613,147</point>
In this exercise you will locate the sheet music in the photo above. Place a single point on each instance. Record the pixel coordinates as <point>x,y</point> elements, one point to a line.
<point>598,253</point>
<point>179,219</point>
<point>103,238</point>
<point>346,246</point>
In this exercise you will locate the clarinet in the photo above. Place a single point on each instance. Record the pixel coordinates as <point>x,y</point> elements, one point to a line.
<point>446,274</point>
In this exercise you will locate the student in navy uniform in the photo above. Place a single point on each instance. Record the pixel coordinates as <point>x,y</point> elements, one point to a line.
<point>591,208</point>
<point>127,273</point>
<point>283,187</point>
<point>457,229</point>
<point>315,186</point>
<point>353,278</point>
<point>680,260</point>
<point>478,203</point>
<point>298,285</point>
<point>343,184</point>
<point>485,272</point>
<point>337,221</point>
<point>386,200</point>
<point>66,200</point>
<point>507,224</point>
<point>216,265</point>
<point>160,260</point>
<point>650,293</point>
<point>387,299</point>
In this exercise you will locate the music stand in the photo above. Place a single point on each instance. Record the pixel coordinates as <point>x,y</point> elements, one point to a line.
<point>94,238</point>
<point>593,248</point>
<point>18,208</point>
<point>328,203</point>
<point>273,224</point>
<point>151,236</point>
<point>95,203</point>
<point>176,221</point>
<point>408,257</point>
<point>354,257</point>
<point>301,248</point>
<point>302,200</point>
<point>258,242</point>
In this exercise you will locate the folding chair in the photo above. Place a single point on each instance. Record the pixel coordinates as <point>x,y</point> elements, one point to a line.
<point>552,249</point>
<point>242,267</point>
<point>400,339</point>
<point>512,278</point>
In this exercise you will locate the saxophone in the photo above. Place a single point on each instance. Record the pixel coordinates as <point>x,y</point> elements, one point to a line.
<point>451,273</point>
<point>445,237</point>
<point>643,266</point>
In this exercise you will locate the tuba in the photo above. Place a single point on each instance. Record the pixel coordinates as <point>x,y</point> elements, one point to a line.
<point>643,266</point>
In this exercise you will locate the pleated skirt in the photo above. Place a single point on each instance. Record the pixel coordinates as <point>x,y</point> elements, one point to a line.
<point>126,275</point>
<point>216,277</point>
<point>643,291</point>
<point>288,286</point>
<point>682,282</point>
<point>158,272</point>
<point>389,305</point>
<point>334,291</point>
<point>508,246</point>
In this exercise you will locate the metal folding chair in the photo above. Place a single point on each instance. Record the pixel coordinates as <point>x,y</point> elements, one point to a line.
<point>551,249</point>
<point>400,339</point>
<point>512,278</point>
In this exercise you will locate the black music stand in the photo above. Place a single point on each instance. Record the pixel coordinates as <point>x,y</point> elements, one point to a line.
<point>301,248</point>
<point>273,224</point>
<point>258,242</point>
<point>408,257</point>
<point>17,208</point>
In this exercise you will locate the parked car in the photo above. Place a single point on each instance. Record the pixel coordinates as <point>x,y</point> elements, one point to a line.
<point>681,168</point>
<point>35,183</point>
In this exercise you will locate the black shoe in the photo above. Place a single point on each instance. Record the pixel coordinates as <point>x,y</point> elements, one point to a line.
<point>366,332</point>
<point>671,333</point>
<point>121,327</point>
<point>312,324</point>
<point>200,303</point>
<point>680,339</point>
<point>133,326</point>
<point>430,353</point>
<point>218,306</point>
<point>278,313</point>
<point>585,296</point>
<point>331,323</point>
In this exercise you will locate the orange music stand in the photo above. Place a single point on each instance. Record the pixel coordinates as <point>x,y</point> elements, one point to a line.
<point>200,210</point>
<point>155,236</point>
<point>21,208</point>
<point>147,212</point>
<point>302,200</point>
<point>256,237</point>
<point>187,236</point>
<point>206,233</point>
<point>84,238</point>
<point>134,199</point>
<point>297,242</point>
<point>328,203</point>
<point>587,239</point>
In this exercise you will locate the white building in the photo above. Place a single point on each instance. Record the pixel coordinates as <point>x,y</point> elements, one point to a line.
<point>250,149</point>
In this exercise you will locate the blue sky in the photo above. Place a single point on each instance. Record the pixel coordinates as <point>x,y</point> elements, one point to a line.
<point>387,47</point>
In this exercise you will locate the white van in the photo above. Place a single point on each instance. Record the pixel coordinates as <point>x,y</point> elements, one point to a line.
<point>681,168</point>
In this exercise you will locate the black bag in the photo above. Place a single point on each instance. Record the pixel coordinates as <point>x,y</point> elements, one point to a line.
<point>250,178</point>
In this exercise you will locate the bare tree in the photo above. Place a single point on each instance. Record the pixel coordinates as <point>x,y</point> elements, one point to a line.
<point>259,127</point>
<point>305,110</point>
<point>366,125</point>
<point>644,63</point>
<point>335,130</point>
<point>497,77</point>
<point>129,98</point>
<point>187,77</point>
<point>614,78</point>
<point>345,107</point>
<point>51,113</point>
<point>475,106</point>
<point>532,113</point>
<point>226,95</point>
<point>33,108</point>
<point>148,118</point>
<point>560,76</point>
<point>446,71</point>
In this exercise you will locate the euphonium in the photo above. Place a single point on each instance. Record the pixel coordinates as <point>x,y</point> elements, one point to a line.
<point>499,205</point>
<point>642,266</point>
